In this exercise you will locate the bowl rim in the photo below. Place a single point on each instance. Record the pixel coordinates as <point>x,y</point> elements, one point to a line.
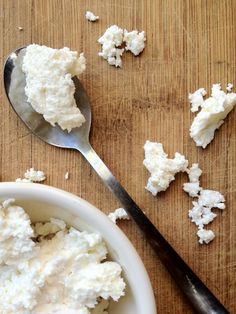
<point>31,190</point>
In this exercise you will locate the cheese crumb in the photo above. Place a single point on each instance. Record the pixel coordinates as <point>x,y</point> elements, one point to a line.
<point>211,117</point>
<point>51,227</point>
<point>90,16</point>
<point>229,87</point>
<point>211,199</point>
<point>201,215</point>
<point>67,175</point>
<point>111,39</point>
<point>119,213</point>
<point>205,236</point>
<point>20,28</point>
<point>134,41</point>
<point>49,85</point>
<point>63,270</point>
<point>32,175</point>
<point>193,187</point>
<point>196,99</point>
<point>161,168</point>
<point>35,175</point>
<point>194,173</point>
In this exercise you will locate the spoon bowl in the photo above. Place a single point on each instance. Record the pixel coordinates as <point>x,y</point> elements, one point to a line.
<point>14,82</point>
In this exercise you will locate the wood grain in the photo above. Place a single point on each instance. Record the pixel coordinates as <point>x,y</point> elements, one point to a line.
<point>190,44</point>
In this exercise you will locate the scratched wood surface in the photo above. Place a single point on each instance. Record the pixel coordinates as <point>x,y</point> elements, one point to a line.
<point>190,44</point>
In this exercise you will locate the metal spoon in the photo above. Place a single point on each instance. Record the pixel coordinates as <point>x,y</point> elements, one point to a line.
<point>202,300</point>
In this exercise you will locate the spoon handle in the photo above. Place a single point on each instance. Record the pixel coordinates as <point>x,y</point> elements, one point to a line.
<point>201,298</point>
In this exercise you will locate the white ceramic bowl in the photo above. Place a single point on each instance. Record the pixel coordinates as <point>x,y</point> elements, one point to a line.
<point>42,202</point>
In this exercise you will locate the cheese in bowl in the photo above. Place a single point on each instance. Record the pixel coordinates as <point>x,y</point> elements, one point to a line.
<point>50,268</point>
<point>40,204</point>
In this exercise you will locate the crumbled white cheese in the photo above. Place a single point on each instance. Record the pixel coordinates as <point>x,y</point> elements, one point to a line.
<point>134,41</point>
<point>161,168</point>
<point>111,39</point>
<point>205,236</point>
<point>90,16</point>
<point>194,173</point>
<point>119,213</point>
<point>211,199</point>
<point>67,175</point>
<point>49,86</point>
<point>212,115</point>
<point>229,87</point>
<point>23,180</point>
<point>20,28</point>
<point>201,215</point>
<point>50,227</point>
<point>32,175</point>
<point>16,245</point>
<point>35,175</point>
<point>64,272</point>
<point>193,186</point>
<point>196,99</point>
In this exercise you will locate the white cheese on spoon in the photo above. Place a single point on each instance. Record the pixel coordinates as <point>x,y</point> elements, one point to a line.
<point>49,86</point>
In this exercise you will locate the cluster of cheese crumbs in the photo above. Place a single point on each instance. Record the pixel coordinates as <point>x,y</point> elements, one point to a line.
<point>49,268</point>
<point>213,112</point>
<point>161,168</point>
<point>201,213</point>
<point>114,37</point>
<point>32,175</point>
<point>49,85</point>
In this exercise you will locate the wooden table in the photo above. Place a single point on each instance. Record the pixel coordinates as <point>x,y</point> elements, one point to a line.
<point>190,44</point>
